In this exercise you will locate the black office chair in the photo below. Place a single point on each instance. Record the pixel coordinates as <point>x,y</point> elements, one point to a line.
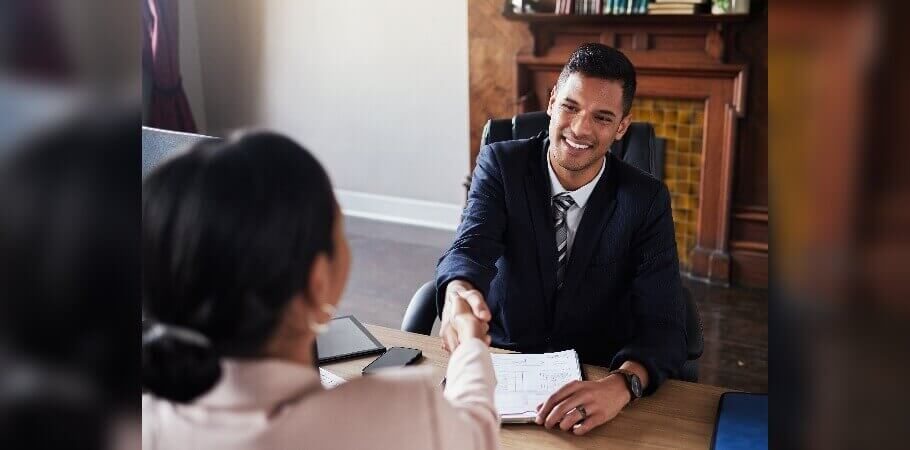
<point>158,145</point>
<point>640,148</point>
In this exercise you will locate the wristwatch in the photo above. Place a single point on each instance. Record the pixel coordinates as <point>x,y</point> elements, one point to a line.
<point>632,382</point>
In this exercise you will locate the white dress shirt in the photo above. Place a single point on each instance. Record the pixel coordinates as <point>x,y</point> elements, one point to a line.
<point>580,195</point>
<point>274,404</point>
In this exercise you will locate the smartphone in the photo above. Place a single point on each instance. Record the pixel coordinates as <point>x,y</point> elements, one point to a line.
<point>394,357</point>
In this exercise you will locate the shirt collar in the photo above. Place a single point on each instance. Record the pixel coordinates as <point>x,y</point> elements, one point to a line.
<point>581,194</point>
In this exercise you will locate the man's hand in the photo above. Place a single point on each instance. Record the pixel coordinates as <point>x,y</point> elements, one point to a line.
<point>462,298</point>
<point>467,326</point>
<point>602,400</point>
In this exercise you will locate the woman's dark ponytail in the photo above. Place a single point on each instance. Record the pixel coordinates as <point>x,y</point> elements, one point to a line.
<point>178,364</point>
<point>230,230</point>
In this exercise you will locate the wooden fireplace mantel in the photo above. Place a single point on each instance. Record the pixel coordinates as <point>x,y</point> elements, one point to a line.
<point>636,29</point>
<point>681,57</point>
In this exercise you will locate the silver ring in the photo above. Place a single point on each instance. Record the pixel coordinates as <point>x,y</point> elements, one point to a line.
<point>581,409</point>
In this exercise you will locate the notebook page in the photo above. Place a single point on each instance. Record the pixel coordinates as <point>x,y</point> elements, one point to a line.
<point>329,379</point>
<point>527,380</point>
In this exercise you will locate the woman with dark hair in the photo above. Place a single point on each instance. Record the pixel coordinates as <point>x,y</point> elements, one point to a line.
<point>244,261</point>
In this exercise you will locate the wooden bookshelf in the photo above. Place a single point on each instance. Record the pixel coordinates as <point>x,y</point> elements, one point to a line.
<point>640,19</point>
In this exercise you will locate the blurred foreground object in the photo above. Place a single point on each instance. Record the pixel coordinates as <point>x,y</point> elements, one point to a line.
<point>69,278</point>
<point>69,214</point>
<point>841,251</point>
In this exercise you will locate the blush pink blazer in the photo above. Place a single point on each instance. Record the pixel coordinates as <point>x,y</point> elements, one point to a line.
<point>273,404</point>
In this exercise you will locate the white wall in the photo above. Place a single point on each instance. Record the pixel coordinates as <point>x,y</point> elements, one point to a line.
<point>190,69</point>
<point>378,90</point>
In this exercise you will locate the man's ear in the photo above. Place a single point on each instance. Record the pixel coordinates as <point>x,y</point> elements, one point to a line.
<point>623,127</point>
<point>551,101</point>
<point>319,281</point>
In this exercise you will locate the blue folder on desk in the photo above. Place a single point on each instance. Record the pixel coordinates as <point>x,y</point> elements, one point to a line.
<point>742,422</point>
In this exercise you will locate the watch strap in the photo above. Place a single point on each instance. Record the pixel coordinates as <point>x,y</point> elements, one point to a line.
<point>627,377</point>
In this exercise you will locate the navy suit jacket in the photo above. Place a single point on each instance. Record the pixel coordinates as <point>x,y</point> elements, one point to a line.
<point>621,295</point>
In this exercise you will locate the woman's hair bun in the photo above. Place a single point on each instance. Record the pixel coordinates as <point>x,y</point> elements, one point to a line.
<point>175,365</point>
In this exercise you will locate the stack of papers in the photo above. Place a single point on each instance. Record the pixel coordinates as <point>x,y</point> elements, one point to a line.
<point>527,380</point>
<point>329,379</point>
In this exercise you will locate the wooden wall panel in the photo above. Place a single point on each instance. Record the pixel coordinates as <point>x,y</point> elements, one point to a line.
<point>749,226</point>
<point>493,43</point>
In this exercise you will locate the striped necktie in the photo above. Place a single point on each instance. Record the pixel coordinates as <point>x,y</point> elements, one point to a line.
<point>561,205</point>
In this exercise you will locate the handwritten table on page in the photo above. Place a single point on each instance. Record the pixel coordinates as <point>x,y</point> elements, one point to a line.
<point>527,380</point>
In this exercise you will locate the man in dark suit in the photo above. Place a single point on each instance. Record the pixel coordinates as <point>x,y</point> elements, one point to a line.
<point>562,245</point>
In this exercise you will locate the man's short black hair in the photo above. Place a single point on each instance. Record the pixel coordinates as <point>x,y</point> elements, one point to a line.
<point>600,61</point>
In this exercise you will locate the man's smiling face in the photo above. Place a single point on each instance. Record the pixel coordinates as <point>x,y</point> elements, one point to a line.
<point>586,116</point>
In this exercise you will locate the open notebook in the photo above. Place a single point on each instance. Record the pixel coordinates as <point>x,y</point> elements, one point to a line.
<point>527,380</point>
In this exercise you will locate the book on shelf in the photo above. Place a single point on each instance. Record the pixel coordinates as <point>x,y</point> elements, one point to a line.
<point>591,7</point>
<point>692,2</point>
<point>565,6</point>
<point>681,11</point>
<point>619,7</point>
<point>677,8</point>
<point>623,7</point>
<point>606,7</point>
<point>579,7</point>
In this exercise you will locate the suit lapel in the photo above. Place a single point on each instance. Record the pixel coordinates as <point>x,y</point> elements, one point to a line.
<point>538,196</point>
<point>597,214</point>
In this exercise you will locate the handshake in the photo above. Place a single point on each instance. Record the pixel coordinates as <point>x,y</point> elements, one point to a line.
<point>465,315</point>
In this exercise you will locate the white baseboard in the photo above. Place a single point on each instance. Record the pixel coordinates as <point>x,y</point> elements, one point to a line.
<point>422,213</point>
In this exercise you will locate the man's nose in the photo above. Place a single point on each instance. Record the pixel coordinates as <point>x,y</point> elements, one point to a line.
<point>581,125</point>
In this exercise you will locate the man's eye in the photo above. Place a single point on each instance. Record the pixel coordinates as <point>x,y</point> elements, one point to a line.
<point>605,119</point>
<point>569,108</point>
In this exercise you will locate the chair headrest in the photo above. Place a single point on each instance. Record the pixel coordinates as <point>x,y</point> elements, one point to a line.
<point>637,147</point>
<point>528,125</point>
<point>158,145</point>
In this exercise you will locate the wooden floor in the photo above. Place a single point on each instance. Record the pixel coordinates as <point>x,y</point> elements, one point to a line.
<point>390,261</point>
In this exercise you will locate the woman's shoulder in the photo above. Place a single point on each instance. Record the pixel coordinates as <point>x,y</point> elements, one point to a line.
<point>396,408</point>
<point>151,405</point>
<point>383,397</point>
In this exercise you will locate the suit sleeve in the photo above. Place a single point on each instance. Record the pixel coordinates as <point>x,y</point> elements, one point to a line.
<point>658,307</point>
<point>479,240</point>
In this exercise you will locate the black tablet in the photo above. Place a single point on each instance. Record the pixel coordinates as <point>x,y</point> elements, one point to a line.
<point>346,338</point>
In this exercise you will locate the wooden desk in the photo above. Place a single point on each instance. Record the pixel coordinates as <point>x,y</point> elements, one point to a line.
<point>679,416</point>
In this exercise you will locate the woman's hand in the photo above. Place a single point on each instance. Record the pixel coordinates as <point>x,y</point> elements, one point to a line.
<point>466,325</point>
<point>461,298</point>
